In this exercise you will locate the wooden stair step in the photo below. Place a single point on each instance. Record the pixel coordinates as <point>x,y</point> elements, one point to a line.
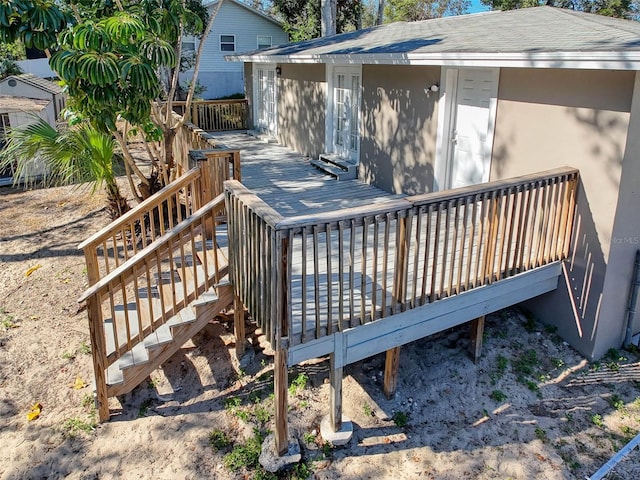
<point>115,376</point>
<point>136,356</point>
<point>184,316</point>
<point>159,337</point>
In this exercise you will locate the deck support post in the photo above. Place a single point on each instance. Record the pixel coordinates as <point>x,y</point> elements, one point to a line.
<point>477,331</point>
<point>335,394</point>
<point>391,366</point>
<point>98,349</point>
<point>281,387</point>
<point>238,325</point>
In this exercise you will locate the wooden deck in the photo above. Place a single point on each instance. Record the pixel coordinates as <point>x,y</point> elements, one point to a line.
<point>289,184</point>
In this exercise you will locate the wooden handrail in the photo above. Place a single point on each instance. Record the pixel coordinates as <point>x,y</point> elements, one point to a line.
<point>160,243</point>
<point>344,268</point>
<point>143,207</point>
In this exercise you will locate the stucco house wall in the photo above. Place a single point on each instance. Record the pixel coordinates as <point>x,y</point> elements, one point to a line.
<point>302,97</point>
<point>550,118</point>
<point>399,120</point>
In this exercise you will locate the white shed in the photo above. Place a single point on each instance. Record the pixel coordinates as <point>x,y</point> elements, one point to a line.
<point>28,85</point>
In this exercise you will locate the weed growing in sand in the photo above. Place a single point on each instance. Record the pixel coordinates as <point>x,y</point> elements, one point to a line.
<point>400,418</point>
<point>153,383</point>
<point>219,440</point>
<point>7,322</point>
<point>326,450</point>
<point>309,437</point>
<point>74,426</point>
<point>501,368</point>
<point>530,325</point>
<point>144,408</point>
<point>616,402</point>
<point>69,355</point>
<point>366,408</point>
<point>88,401</point>
<point>614,358</point>
<point>245,455</point>
<point>298,383</point>
<point>84,349</point>
<point>498,396</point>
<point>596,419</point>
<point>541,434</point>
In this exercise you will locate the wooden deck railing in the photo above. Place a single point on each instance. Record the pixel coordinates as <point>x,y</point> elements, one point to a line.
<point>143,293</point>
<point>216,115</point>
<point>116,243</point>
<point>303,278</point>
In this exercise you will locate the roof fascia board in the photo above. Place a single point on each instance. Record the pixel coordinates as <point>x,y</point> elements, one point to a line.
<point>577,60</point>
<point>251,9</point>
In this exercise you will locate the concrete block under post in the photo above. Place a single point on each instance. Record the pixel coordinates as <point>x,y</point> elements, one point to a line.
<point>272,460</point>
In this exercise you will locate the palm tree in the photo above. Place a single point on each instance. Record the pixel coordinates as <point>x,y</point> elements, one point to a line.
<point>75,155</point>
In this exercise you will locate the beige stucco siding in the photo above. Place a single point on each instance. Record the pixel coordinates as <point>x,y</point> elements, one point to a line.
<point>398,131</point>
<point>550,118</point>
<point>302,93</point>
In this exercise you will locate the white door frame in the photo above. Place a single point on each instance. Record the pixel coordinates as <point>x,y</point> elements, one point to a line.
<point>258,98</point>
<point>330,105</point>
<point>447,105</point>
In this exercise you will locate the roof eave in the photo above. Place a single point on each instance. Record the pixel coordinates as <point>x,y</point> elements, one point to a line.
<point>629,60</point>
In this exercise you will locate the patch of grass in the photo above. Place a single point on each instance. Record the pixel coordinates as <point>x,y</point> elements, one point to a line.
<point>144,407</point>
<point>628,432</point>
<point>498,395</point>
<point>541,434</point>
<point>400,418</point>
<point>231,403</point>
<point>501,367</point>
<point>326,449</point>
<point>525,364</point>
<point>557,362</point>
<point>74,426</point>
<point>245,455</point>
<point>301,471</point>
<point>69,355</point>
<point>597,420</point>
<point>261,414</point>
<point>8,322</point>
<point>88,401</point>
<point>153,383</point>
<point>550,329</point>
<point>219,440</point>
<point>368,411</point>
<point>299,383</point>
<point>533,386</point>
<point>84,349</point>
<point>616,402</point>
<point>309,437</point>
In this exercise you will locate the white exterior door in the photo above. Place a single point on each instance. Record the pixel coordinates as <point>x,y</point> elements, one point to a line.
<point>346,112</point>
<point>265,99</point>
<point>470,103</point>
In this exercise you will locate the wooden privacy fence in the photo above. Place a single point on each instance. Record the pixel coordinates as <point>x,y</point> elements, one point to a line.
<point>151,289</point>
<point>115,244</point>
<point>216,115</point>
<point>306,277</point>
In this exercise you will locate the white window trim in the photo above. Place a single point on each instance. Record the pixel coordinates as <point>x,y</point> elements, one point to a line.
<point>329,117</point>
<point>221,42</point>
<point>270,37</point>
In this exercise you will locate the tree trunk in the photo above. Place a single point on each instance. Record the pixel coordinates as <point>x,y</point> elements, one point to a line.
<point>380,18</point>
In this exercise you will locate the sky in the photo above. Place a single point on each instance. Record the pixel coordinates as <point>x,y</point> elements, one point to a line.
<point>477,6</point>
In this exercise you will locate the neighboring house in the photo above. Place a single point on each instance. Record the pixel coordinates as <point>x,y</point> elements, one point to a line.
<point>30,86</point>
<point>237,28</point>
<point>16,111</point>
<point>444,103</point>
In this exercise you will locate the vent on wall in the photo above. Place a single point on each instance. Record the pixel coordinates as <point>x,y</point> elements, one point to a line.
<point>12,82</point>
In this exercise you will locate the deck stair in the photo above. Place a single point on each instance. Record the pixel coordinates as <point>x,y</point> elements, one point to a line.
<point>336,166</point>
<point>158,275</point>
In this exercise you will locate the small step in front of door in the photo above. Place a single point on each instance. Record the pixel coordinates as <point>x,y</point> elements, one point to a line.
<point>336,166</point>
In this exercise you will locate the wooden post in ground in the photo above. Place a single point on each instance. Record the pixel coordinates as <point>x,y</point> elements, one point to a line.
<point>477,331</point>
<point>335,385</point>
<point>281,387</point>
<point>98,349</point>
<point>391,366</point>
<point>238,325</point>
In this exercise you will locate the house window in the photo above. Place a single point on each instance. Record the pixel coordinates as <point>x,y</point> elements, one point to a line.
<point>264,41</point>
<point>4,127</point>
<point>227,43</point>
<point>188,46</point>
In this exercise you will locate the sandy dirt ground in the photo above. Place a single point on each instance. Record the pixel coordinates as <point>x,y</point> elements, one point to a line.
<point>530,408</point>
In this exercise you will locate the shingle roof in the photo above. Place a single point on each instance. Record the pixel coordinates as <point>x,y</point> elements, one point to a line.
<point>39,82</point>
<point>539,30</point>
<point>10,103</point>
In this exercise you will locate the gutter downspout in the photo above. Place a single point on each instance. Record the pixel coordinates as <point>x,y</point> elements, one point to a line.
<point>633,300</point>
